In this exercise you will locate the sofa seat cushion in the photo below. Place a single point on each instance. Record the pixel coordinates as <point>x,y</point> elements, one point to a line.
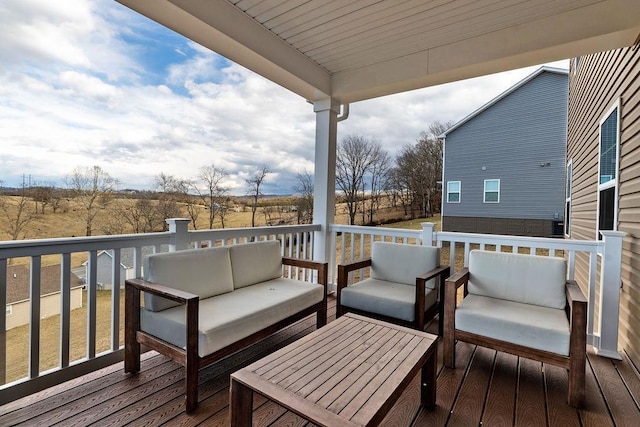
<point>390,299</point>
<point>529,279</point>
<point>402,263</point>
<point>203,272</point>
<point>528,325</point>
<point>227,318</point>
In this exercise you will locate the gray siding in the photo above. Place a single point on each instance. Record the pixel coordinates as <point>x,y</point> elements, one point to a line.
<point>599,81</point>
<point>510,139</point>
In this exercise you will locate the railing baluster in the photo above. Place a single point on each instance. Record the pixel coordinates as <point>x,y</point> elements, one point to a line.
<point>34,326</point>
<point>466,254</point>
<point>591,297</point>
<point>452,255</point>
<point>65,307</point>
<point>92,284</point>
<point>115,301</point>
<point>3,321</point>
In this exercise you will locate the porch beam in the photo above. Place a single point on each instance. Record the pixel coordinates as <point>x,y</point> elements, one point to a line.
<point>324,193</point>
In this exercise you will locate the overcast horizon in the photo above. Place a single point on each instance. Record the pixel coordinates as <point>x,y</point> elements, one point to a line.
<point>90,82</point>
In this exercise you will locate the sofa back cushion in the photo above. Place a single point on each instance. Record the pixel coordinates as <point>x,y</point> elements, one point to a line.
<point>204,272</point>
<point>255,262</point>
<point>528,279</point>
<point>402,263</point>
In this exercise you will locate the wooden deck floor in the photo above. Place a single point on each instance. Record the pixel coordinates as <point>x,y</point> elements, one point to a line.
<point>488,388</point>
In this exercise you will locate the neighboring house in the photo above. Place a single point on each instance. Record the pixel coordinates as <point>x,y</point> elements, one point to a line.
<point>104,271</point>
<point>603,173</point>
<point>105,266</point>
<point>19,294</point>
<point>504,164</point>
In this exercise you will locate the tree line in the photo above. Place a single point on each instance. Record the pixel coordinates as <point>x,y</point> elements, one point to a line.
<point>365,172</point>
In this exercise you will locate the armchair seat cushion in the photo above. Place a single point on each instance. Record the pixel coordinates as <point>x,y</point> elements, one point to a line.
<point>238,314</point>
<point>390,299</point>
<point>529,325</point>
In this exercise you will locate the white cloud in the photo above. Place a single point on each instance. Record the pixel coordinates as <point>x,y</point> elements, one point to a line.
<point>79,94</point>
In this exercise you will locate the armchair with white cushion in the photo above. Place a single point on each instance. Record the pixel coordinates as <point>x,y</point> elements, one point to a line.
<point>404,285</point>
<point>519,304</point>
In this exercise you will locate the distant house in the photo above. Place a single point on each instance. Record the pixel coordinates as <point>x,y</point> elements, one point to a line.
<point>18,309</point>
<point>603,173</point>
<point>105,266</point>
<point>504,164</point>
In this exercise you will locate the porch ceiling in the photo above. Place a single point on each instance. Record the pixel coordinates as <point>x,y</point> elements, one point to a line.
<point>361,49</point>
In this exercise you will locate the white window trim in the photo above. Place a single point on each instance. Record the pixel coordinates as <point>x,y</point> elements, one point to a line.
<point>613,182</point>
<point>568,183</point>
<point>459,191</point>
<point>484,192</point>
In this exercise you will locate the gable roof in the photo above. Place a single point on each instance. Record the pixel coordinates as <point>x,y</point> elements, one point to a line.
<point>18,285</point>
<point>503,95</point>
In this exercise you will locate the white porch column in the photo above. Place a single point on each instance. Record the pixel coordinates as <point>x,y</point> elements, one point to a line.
<point>324,194</point>
<point>609,303</point>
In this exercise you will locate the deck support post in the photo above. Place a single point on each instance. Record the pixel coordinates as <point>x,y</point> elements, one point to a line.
<point>324,193</point>
<point>609,304</point>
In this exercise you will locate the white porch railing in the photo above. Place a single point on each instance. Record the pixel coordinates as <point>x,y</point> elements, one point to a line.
<point>604,264</point>
<point>296,241</point>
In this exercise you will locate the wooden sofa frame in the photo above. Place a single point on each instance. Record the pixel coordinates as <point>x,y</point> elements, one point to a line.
<point>422,313</point>
<point>189,357</point>
<point>575,363</point>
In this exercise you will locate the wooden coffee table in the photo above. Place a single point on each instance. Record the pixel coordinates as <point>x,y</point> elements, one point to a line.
<point>348,373</point>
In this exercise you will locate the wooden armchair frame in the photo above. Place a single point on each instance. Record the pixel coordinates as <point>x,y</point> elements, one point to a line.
<point>422,313</point>
<point>575,363</point>
<point>189,357</point>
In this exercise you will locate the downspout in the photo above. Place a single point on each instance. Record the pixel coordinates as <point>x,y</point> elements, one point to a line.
<point>344,114</point>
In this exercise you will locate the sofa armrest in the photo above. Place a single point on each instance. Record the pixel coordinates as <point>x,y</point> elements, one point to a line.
<point>345,269</point>
<point>161,290</point>
<point>577,313</point>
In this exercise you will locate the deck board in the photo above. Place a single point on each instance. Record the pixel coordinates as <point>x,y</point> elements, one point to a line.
<point>488,387</point>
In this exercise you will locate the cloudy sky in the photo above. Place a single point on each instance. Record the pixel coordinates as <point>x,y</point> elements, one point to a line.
<point>90,82</point>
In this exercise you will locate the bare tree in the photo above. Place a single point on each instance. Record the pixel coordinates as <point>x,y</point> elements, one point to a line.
<point>354,158</point>
<point>379,173</point>
<point>304,189</point>
<point>169,198</point>
<point>255,192</point>
<point>419,168</point>
<point>18,213</point>
<point>92,188</point>
<point>213,193</point>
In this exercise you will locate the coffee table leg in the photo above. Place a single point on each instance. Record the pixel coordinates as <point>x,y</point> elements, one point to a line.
<point>241,404</point>
<point>428,389</point>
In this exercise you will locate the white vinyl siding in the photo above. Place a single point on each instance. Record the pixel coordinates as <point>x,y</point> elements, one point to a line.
<point>491,191</point>
<point>609,148</point>
<point>567,203</point>
<point>454,191</point>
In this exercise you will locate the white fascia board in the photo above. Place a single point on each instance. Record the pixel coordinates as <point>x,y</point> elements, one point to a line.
<point>223,28</point>
<point>605,25</point>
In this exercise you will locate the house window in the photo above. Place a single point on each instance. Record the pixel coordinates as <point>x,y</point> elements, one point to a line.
<point>608,170</point>
<point>453,191</point>
<point>491,190</point>
<point>567,200</point>
<point>9,310</point>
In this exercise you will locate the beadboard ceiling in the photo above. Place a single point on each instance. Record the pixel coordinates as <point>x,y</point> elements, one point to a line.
<point>353,50</point>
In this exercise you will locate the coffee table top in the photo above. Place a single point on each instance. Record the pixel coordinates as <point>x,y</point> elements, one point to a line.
<point>349,372</point>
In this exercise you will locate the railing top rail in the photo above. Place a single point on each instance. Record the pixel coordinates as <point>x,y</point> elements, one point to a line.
<point>546,242</point>
<point>227,233</point>
<point>376,231</point>
<point>19,248</point>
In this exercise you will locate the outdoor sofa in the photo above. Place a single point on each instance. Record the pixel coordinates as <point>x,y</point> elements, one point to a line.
<point>201,305</point>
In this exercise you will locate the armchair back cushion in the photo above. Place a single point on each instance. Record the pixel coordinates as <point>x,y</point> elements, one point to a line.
<point>256,262</point>
<point>527,279</point>
<point>204,272</point>
<point>402,263</point>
